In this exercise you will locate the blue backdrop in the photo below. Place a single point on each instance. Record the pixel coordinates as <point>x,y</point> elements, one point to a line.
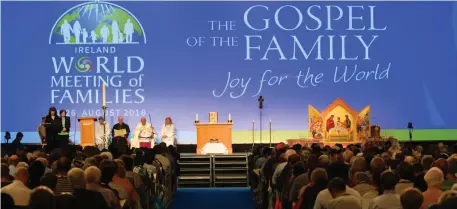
<point>402,56</point>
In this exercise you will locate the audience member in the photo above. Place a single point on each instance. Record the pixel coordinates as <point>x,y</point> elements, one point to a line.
<point>341,199</point>
<point>363,183</point>
<point>434,179</point>
<point>85,199</point>
<point>92,176</point>
<point>388,199</point>
<point>405,173</point>
<point>5,175</point>
<point>18,189</point>
<point>63,184</point>
<point>42,198</point>
<point>7,201</point>
<point>411,198</point>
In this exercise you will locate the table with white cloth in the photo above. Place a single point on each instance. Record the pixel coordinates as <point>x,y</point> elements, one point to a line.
<point>214,148</point>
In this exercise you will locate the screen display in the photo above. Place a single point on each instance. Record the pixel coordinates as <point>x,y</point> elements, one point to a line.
<point>179,59</point>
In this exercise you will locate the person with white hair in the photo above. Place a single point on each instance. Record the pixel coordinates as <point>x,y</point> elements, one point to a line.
<point>84,197</point>
<point>107,155</point>
<point>92,176</point>
<point>434,179</point>
<point>144,135</point>
<point>22,164</point>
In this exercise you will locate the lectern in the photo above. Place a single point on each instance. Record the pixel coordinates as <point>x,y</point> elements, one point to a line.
<point>220,131</point>
<point>87,130</point>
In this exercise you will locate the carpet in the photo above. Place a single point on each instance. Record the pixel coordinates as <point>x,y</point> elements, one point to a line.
<point>213,198</point>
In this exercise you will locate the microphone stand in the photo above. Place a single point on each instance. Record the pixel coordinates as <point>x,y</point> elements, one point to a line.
<point>411,135</point>
<point>152,128</point>
<point>253,142</point>
<point>260,100</point>
<point>270,132</point>
<point>104,125</point>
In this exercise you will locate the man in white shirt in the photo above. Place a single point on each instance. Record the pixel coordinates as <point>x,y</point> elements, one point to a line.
<point>102,137</point>
<point>325,197</point>
<point>168,132</point>
<point>342,200</point>
<point>144,135</point>
<point>18,189</point>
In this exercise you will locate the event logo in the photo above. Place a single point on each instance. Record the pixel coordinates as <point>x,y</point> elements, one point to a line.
<point>97,23</point>
<point>93,31</point>
<point>84,64</point>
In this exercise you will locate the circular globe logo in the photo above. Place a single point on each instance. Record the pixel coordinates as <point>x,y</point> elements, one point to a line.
<point>84,64</point>
<point>97,23</point>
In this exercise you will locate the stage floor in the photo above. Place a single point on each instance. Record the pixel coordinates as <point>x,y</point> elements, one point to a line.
<point>237,148</point>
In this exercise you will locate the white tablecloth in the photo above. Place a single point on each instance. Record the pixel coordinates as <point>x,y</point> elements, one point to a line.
<point>214,148</point>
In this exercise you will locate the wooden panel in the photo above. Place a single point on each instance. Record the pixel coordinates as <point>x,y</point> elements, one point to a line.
<point>87,129</point>
<point>87,118</point>
<point>208,131</point>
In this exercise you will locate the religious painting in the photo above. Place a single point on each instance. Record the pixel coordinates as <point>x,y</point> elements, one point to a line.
<point>213,117</point>
<point>338,122</point>
<point>315,123</point>
<point>363,123</point>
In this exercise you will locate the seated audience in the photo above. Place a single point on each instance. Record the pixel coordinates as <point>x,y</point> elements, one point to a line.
<point>85,199</point>
<point>92,176</point>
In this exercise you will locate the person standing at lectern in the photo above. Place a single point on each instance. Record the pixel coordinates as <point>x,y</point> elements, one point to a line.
<point>120,134</point>
<point>53,127</point>
<point>144,135</point>
<point>64,129</point>
<point>168,132</point>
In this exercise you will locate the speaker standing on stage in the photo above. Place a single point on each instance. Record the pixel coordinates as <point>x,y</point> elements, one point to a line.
<point>120,133</point>
<point>64,128</point>
<point>53,126</point>
<point>168,132</point>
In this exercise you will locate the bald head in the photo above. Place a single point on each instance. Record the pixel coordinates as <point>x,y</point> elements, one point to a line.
<point>120,119</point>
<point>22,174</point>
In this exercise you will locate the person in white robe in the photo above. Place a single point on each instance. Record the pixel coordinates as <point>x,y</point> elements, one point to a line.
<point>144,133</point>
<point>102,137</point>
<point>168,132</point>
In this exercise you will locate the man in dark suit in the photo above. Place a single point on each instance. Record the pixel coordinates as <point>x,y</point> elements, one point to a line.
<point>120,144</point>
<point>65,128</point>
